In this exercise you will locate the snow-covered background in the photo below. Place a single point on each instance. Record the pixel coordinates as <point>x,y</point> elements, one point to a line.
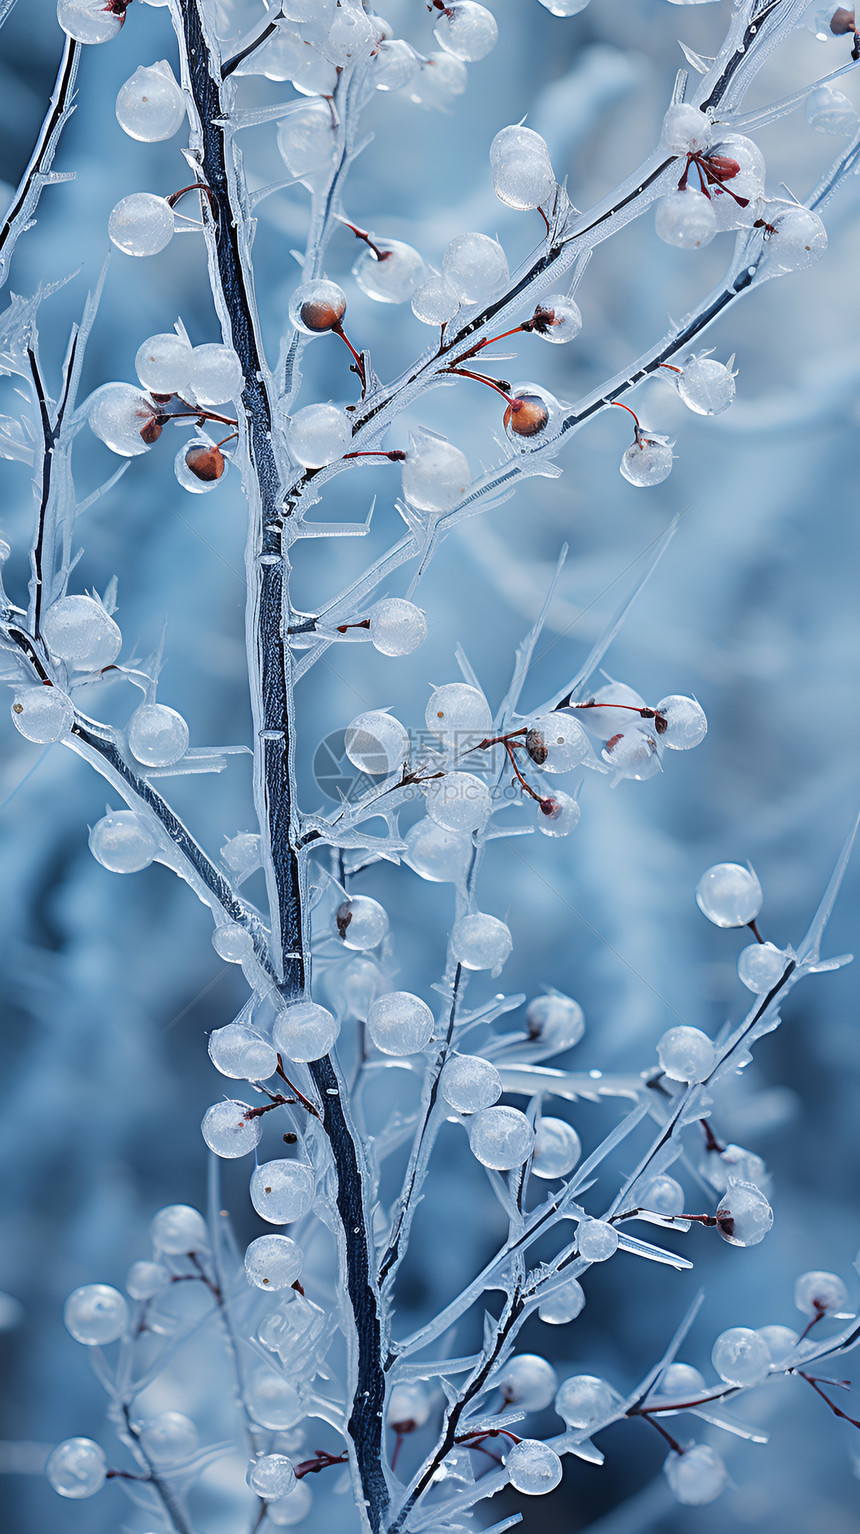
<point>110,987</point>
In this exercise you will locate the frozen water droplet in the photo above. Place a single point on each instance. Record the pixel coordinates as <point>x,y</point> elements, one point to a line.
<point>747,183</point>
<point>400,1023</point>
<point>408,1406</point>
<point>231,941</point>
<point>397,627</point>
<point>157,735</point>
<point>686,1054</point>
<point>122,842</point>
<point>440,79</point>
<point>215,374</point>
<point>118,413</point>
<point>760,966</point>
<point>740,1356</point>
<point>799,239</point>
<point>243,853</point>
<point>293,1508</point>
<point>469,1083</point>
<point>706,386</point>
<point>697,1476</point>
<point>686,130</point>
<point>467,30</point>
<point>440,856</point>
<point>533,1467</point>
<point>163,364</point>
<point>306,140</point>
<point>479,941</point>
<point>558,1021</point>
<point>556,319</point>
<point>527,1381</point>
<point>141,224</point>
<point>648,460</point>
<point>435,302</point>
<point>564,7</point>
<point>77,1467</point>
<point>597,1240</point>
<point>522,172</point>
<point>501,1138</point>
<point>584,1399</point>
<point>744,1215</point>
<point>271,1476</point>
<point>681,1382</point>
<point>564,1304</point>
<point>558,814</point>
<point>459,801</point>
<point>354,986</point>
<point>633,753</point>
<point>274,1402</point>
<point>475,266</point>
<point>662,1195</point>
<point>361,923</point>
<point>830,111</point>
<point>317,307</point>
<point>460,715</point>
<point>229,1132</point>
<point>282,1191</point>
<point>685,723</point>
<point>95,1314</point>
<point>318,434</point>
<point>393,278</point>
<point>815,1293</point>
<point>168,1438</point>
<point>239,1052</point>
<point>199,465</point>
<point>436,475</point>
<point>80,631</point>
<point>686,218</point>
<point>88,21</point>
<point>396,64</point>
<point>146,1279</point>
<point>557,1148</point>
<point>273,1262</point>
<point>377,743</point>
<point>151,106</point>
<point>779,1341</point>
<point>178,1229</point>
<point>530,415</point>
<point>43,714</point>
<point>305,1031</point>
<point>729,895</point>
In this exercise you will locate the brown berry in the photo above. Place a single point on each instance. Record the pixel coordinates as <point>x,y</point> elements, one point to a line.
<point>536,747</point>
<point>318,315</point>
<point>206,463</point>
<point>526,416</point>
<point>343,917</point>
<point>842,21</point>
<point>151,431</point>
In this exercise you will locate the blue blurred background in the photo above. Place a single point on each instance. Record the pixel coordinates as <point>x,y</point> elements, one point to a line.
<point>109,989</point>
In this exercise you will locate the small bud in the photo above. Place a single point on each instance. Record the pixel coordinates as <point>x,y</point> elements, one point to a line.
<point>151,431</point>
<point>526,416</point>
<point>207,463</point>
<point>842,21</point>
<point>537,747</point>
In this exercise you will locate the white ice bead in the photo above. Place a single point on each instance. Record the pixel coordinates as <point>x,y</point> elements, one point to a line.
<point>351,34</point>
<point>293,1508</point>
<point>467,30</point>
<point>747,183</point>
<point>799,239</point>
<point>318,434</point>
<point>355,986</point>
<point>271,1476</point>
<point>706,386</point>
<point>686,218</point>
<point>830,111</point>
<point>584,1399</point>
<point>686,130</point>
<point>633,754</point>
<point>816,1293</point>
<point>141,224</point>
<point>522,171</point>
<point>697,1476</point>
<point>481,942</point>
<point>609,709</point>
<point>239,1052</point>
<point>533,1467</point>
<point>648,460</point>
<point>779,1341</point>
<point>729,895</point>
<point>119,414</point>
<point>740,1356</point>
<point>662,1195</point>
<point>163,363</point>
<point>243,853</point>
<point>232,942</point>
<point>459,715</point>
<point>501,1138</point>
<point>151,106</point>
<point>734,1163</point>
<point>314,75</point>
<point>760,966</point>
<point>178,1229</point>
<point>527,1381</point>
<point>95,1314</point>
<point>146,1279</point>
<point>168,1438</point>
<point>440,79</point>
<point>77,1467</point>
<point>743,1214</point>
<point>397,627</point>
<point>306,140</point>
<point>229,1132</point>
<point>440,856</point>
<point>43,714</point>
<point>459,801</point>
<point>215,374</point>
<point>408,1407</point>
<point>392,277</point>
<point>436,475</point>
<point>557,1148</point>
<point>555,1020</point>
<point>475,266</point>
<point>305,1031</point>
<point>597,1240</point>
<point>309,10</point>
<point>122,842</point>
<point>556,742</point>
<point>273,1262</point>
<point>564,1304</point>
<point>564,7</point>
<point>686,1054</point>
<point>435,302</point>
<point>556,319</point>
<point>79,630</point>
<point>361,922</point>
<point>278,58</point>
<point>681,1382</point>
<point>274,1402</point>
<point>400,1023</point>
<point>157,735</point>
<point>376,743</point>
<point>282,1191</point>
<point>395,65</point>
<point>469,1083</point>
<point>88,21</point>
<point>686,724</point>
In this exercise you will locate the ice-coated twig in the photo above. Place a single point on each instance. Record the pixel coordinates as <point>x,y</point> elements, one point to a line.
<point>38,173</point>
